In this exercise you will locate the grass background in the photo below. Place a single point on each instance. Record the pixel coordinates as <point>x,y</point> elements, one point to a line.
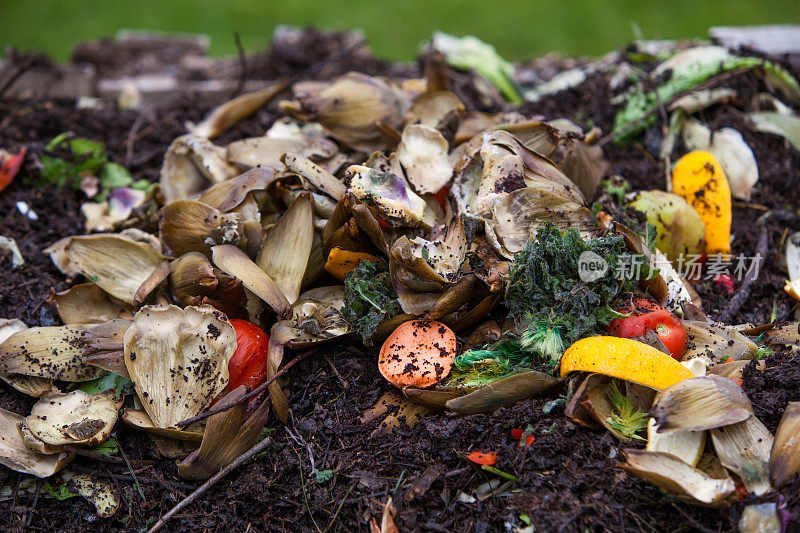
<point>519,29</point>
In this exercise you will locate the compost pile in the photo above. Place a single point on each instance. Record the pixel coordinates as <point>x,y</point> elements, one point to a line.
<point>441,296</point>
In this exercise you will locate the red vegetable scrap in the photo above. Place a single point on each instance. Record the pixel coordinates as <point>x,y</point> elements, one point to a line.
<point>517,434</point>
<point>10,167</point>
<point>418,353</point>
<point>483,458</point>
<point>248,365</point>
<point>645,315</point>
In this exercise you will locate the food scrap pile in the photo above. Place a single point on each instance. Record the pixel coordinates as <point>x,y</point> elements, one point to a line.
<point>489,258</point>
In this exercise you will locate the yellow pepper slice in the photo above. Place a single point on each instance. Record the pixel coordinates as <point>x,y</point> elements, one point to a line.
<point>341,261</point>
<point>625,359</point>
<point>699,179</point>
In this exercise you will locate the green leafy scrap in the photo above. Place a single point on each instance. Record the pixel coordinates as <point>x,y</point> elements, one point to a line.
<point>369,299</point>
<point>323,476</point>
<point>546,297</point>
<point>68,159</point>
<point>628,421</point>
<point>633,118</point>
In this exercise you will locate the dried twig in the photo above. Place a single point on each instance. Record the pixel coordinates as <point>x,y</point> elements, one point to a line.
<point>744,291</point>
<point>254,392</point>
<point>255,450</point>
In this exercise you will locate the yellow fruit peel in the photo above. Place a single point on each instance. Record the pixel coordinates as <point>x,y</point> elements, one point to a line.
<point>699,179</point>
<point>624,359</point>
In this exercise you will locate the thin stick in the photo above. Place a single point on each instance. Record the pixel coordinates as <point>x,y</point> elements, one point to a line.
<point>279,373</point>
<point>255,450</point>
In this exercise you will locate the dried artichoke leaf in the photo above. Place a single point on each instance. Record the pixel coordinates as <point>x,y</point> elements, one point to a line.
<point>423,152</point>
<point>350,109</point>
<point>178,359</point>
<point>16,456</point>
<point>286,248</point>
<point>388,193</point>
<point>719,342</point>
<point>102,494</point>
<point>228,435</point>
<point>228,194</point>
<point>117,264</point>
<point>701,403</point>
<point>687,446</point>
<point>140,419</point>
<point>54,352</point>
<point>744,448</point>
<point>235,262</point>
<point>75,417</point>
<point>234,110</point>
<point>785,455</point>
<point>192,226</point>
<point>191,164</point>
<point>516,217</point>
<point>318,176</point>
<point>87,303</point>
<point>669,473</point>
<point>504,391</point>
<point>441,110</point>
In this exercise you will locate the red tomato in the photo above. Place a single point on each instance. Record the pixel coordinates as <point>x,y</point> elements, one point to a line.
<point>646,315</point>
<point>725,282</point>
<point>248,366</point>
<point>483,458</point>
<point>10,167</point>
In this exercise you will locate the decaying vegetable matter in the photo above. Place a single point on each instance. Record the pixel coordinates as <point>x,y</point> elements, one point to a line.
<point>459,249</point>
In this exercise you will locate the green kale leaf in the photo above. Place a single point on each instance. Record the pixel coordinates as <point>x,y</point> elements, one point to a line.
<point>369,298</point>
<point>546,297</point>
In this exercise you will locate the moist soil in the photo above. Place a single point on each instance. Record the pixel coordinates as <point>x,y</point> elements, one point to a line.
<point>327,470</point>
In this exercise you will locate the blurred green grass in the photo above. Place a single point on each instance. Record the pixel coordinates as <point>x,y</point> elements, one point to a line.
<point>519,29</point>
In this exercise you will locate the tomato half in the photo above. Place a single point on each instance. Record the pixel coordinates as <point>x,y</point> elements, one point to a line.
<point>248,366</point>
<point>646,315</point>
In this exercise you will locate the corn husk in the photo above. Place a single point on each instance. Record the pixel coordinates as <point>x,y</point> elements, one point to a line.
<point>178,359</point>
<point>423,152</point>
<point>674,476</point>
<point>784,459</point>
<point>228,435</point>
<point>48,352</point>
<point>744,449</point>
<point>234,110</point>
<point>229,194</point>
<point>717,342</point>
<point>192,226</point>
<point>191,164</point>
<point>87,303</point>
<point>701,403</point>
<point>16,456</point>
<point>286,248</point>
<point>141,420</point>
<point>687,446</point>
<point>59,419</point>
<point>235,262</point>
<point>350,109</point>
<point>115,262</point>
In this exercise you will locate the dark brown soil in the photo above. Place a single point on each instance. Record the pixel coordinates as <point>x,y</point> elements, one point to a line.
<point>568,479</point>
